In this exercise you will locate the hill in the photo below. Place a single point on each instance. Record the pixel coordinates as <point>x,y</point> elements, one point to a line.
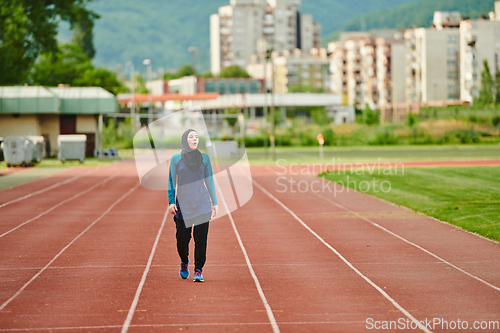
<point>417,14</point>
<point>163,30</point>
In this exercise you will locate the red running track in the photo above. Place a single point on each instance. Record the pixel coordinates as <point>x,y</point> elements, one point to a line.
<point>106,261</point>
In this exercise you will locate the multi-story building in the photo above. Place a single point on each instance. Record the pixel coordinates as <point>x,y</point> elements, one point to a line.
<point>353,66</point>
<point>433,60</point>
<point>295,70</point>
<point>237,29</point>
<point>190,85</point>
<point>390,71</point>
<point>301,70</point>
<point>479,41</point>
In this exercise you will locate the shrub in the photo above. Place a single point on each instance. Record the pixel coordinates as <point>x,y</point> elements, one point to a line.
<point>496,121</point>
<point>328,135</point>
<point>385,137</point>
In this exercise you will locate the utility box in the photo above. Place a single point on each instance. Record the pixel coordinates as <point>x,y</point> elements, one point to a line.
<point>71,147</point>
<point>18,150</point>
<point>38,147</point>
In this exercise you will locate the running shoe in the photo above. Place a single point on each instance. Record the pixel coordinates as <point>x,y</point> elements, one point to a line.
<point>184,272</point>
<point>197,276</point>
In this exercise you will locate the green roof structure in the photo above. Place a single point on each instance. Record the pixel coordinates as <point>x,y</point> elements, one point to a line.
<point>65,100</point>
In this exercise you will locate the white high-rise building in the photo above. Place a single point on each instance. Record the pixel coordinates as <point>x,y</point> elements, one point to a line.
<point>479,41</point>
<point>237,29</point>
<point>433,61</point>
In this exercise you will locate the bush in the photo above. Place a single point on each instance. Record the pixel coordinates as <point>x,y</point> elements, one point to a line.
<point>320,116</point>
<point>257,141</point>
<point>328,135</point>
<point>411,119</point>
<point>307,140</point>
<point>385,137</point>
<point>473,118</point>
<point>496,121</point>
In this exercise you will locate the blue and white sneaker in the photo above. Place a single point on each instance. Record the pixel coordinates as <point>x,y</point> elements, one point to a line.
<point>197,276</point>
<point>184,272</point>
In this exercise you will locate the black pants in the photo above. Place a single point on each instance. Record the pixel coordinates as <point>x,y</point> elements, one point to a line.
<point>183,236</point>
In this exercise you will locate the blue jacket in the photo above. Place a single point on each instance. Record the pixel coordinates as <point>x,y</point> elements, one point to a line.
<point>195,189</point>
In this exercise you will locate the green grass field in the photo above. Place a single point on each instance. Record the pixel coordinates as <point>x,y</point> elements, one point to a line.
<point>374,154</point>
<point>468,197</point>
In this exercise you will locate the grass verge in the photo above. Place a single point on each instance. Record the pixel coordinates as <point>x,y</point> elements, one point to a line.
<point>290,155</point>
<point>468,197</point>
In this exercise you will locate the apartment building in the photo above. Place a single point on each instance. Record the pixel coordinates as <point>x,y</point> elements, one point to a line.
<point>353,66</point>
<point>237,29</point>
<point>390,71</point>
<point>433,60</point>
<point>300,69</point>
<point>479,41</point>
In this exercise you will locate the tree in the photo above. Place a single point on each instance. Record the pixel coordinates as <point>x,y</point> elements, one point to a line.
<point>485,92</point>
<point>140,85</point>
<point>497,87</point>
<point>69,65</point>
<point>233,71</point>
<point>320,115</point>
<point>371,117</point>
<point>29,28</point>
<point>100,77</point>
<point>60,67</point>
<point>231,121</point>
<point>184,70</point>
<point>83,37</point>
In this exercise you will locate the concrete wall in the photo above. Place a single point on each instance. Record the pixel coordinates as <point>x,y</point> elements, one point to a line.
<point>86,124</point>
<point>398,74</point>
<point>49,125</point>
<point>25,124</point>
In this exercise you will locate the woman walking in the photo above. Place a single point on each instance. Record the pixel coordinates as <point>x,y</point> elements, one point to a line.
<point>195,203</point>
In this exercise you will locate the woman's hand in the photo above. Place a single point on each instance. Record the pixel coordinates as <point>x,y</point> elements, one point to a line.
<point>215,209</point>
<point>172,209</point>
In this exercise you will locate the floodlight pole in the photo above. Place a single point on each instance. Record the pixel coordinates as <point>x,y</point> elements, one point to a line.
<point>193,50</point>
<point>132,107</point>
<point>100,136</point>
<point>273,122</point>
<point>147,62</point>
<point>265,102</point>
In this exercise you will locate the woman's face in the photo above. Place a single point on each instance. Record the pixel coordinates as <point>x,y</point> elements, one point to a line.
<point>192,140</point>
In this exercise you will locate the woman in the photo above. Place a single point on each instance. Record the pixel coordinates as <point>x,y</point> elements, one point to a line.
<point>195,203</point>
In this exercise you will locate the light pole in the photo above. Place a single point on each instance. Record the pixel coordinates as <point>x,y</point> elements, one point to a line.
<point>262,47</point>
<point>132,80</point>
<point>193,50</point>
<point>147,62</point>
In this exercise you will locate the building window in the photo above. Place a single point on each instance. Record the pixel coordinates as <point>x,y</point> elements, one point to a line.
<point>452,51</point>
<point>452,39</point>
<point>452,75</point>
<point>452,63</point>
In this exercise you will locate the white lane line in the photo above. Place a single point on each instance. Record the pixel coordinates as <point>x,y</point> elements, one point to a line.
<point>131,311</point>
<point>409,242</point>
<point>44,190</point>
<point>59,204</point>
<point>176,325</point>
<point>269,311</point>
<point>67,246</point>
<point>380,290</point>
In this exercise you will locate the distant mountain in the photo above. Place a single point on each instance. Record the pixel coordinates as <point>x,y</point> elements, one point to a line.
<point>418,14</point>
<point>161,30</point>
